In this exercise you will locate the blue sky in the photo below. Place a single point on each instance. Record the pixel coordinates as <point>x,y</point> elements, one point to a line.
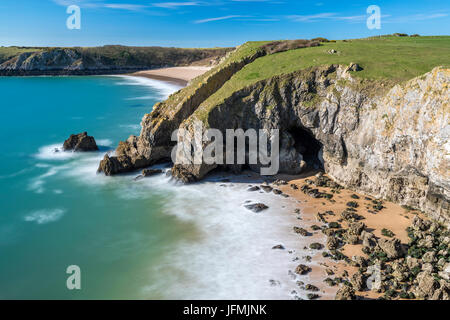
<point>207,23</point>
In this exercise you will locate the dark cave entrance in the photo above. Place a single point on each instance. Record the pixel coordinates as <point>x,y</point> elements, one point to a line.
<point>308,146</point>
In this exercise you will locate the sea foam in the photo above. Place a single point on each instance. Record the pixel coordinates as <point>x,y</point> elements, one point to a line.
<point>45,216</point>
<point>163,88</point>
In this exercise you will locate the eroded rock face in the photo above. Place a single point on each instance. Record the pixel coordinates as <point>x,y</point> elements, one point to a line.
<point>389,143</point>
<point>80,142</point>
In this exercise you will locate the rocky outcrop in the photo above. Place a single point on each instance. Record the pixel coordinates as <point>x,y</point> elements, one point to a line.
<point>80,142</point>
<point>390,143</point>
<point>154,143</point>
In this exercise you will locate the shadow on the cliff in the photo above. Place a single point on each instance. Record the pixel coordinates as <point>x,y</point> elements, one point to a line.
<point>249,176</point>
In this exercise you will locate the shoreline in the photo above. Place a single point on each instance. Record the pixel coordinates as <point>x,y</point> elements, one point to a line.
<point>176,75</point>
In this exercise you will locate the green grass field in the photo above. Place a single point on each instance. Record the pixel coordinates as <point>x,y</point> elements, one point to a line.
<point>7,53</point>
<point>395,59</point>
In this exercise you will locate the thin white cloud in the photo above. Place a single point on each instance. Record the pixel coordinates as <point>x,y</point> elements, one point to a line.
<point>312,17</point>
<point>328,16</point>
<point>101,4</point>
<point>219,18</point>
<point>124,6</point>
<point>417,17</point>
<point>175,5</point>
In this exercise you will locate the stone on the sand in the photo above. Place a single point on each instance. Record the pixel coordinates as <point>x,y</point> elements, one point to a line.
<point>426,285</point>
<point>301,231</point>
<point>316,246</point>
<point>368,239</point>
<point>358,281</point>
<point>345,293</point>
<point>310,287</point>
<point>356,228</point>
<point>302,269</point>
<point>392,248</point>
<point>332,243</point>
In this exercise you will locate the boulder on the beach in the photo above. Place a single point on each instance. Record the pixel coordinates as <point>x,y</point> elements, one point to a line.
<point>316,246</point>
<point>310,287</point>
<point>302,269</point>
<point>256,207</point>
<point>391,247</point>
<point>277,191</point>
<point>332,243</point>
<point>358,281</point>
<point>80,142</point>
<point>266,188</point>
<point>345,293</point>
<point>301,231</point>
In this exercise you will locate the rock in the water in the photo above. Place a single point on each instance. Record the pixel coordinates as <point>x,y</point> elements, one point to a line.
<point>301,231</point>
<point>266,188</point>
<point>278,247</point>
<point>316,246</point>
<point>256,207</point>
<point>80,142</point>
<point>302,269</point>
<point>253,189</point>
<point>277,191</point>
<point>313,296</point>
<point>310,287</point>
<point>151,172</point>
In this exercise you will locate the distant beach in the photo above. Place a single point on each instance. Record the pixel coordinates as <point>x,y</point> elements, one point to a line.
<point>177,75</point>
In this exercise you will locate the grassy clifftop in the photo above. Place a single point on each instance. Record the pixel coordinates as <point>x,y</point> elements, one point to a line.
<point>389,58</point>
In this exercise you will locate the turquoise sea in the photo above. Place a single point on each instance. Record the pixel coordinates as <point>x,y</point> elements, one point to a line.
<point>147,239</point>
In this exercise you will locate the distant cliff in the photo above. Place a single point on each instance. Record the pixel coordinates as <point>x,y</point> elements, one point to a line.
<point>15,61</point>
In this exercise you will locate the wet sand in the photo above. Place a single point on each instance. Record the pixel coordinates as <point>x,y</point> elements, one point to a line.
<point>393,217</point>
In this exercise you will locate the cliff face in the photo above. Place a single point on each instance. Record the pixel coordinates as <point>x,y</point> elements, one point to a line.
<point>102,60</point>
<point>388,143</point>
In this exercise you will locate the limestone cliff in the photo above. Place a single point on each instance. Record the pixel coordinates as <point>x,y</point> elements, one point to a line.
<point>388,142</point>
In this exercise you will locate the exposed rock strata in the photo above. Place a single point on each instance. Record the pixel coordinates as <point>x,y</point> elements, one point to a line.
<point>391,144</point>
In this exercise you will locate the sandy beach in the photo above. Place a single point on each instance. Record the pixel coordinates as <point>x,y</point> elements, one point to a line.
<point>178,75</point>
<point>392,217</point>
